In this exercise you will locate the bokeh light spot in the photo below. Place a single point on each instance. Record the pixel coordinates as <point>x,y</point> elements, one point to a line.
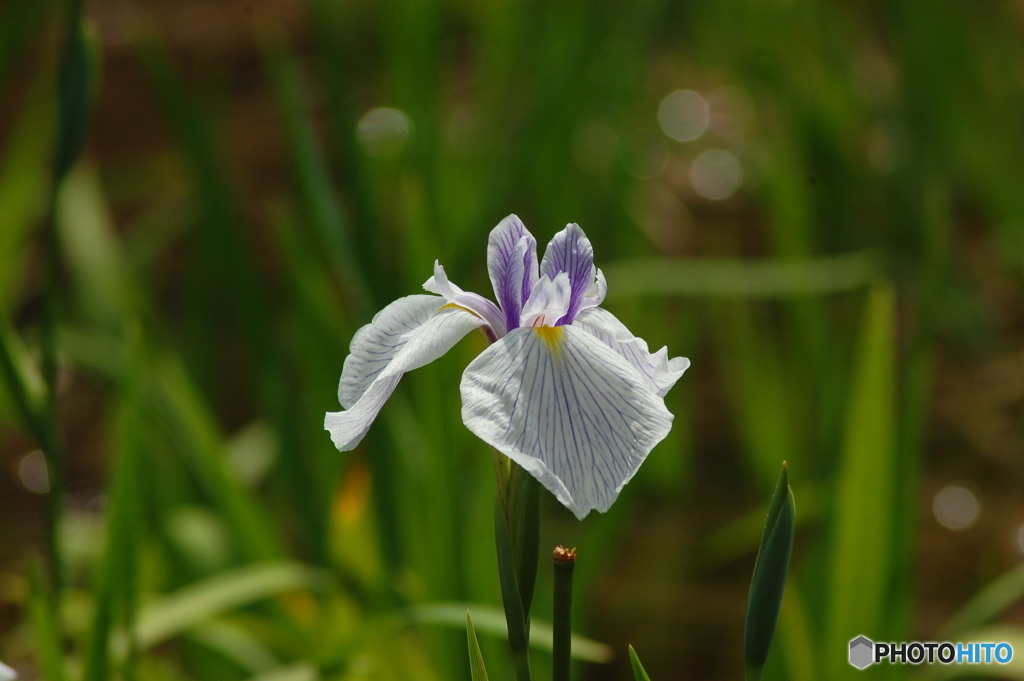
<point>34,473</point>
<point>684,115</point>
<point>383,132</point>
<point>716,174</point>
<point>956,507</point>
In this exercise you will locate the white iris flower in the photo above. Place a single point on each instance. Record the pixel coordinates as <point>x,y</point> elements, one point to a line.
<point>564,390</point>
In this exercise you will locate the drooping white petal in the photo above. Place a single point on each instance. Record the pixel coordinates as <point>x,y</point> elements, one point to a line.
<point>512,264</point>
<point>375,345</point>
<point>548,302</point>
<point>660,372</point>
<point>474,302</point>
<point>568,409</point>
<point>405,335</point>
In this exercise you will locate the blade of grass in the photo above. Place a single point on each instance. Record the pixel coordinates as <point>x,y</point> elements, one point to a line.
<point>985,605</point>
<point>177,612</point>
<point>639,673</point>
<point>43,624</point>
<point>315,185</point>
<point>115,581</point>
<point>708,277</point>
<point>18,372</point>
<point>24,182</point>
<point>476,658</point>
<point>862,555</point>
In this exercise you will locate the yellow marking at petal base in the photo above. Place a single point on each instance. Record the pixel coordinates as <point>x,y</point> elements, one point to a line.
<point>453,306</point>
<point>552,335</point>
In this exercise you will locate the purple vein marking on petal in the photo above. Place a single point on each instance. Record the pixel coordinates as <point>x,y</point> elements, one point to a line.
<point>545,387</point>
<point>519,388</point>
<point>571,354</point>
<point>585,419</point>
<point>570,251</point>
<point>572,454</point>
<point>509,249</point>
<point>596,395</point>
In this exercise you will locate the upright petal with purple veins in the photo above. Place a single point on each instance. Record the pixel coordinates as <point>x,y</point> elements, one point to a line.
<point>512,264</point>
<point>570,251</point>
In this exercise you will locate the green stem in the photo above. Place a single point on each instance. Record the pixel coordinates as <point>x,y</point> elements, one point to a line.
<point>565,562</point>
<point>516,534</point>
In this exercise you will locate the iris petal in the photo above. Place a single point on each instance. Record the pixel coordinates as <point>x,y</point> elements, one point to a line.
<point>512,264</point>
<point>595,293</point>
<point>548,302</point>
<point>405,335</point>
<point>660,372</point>
<point>474,302</point>
<point>568,409</point>
<point>570,251</point>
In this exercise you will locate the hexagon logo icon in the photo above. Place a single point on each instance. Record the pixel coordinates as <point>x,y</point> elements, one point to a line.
<point>862,652</point>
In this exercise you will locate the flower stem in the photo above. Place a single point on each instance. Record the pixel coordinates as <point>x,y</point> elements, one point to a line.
<point>565,561</point>
<point>516,534</point>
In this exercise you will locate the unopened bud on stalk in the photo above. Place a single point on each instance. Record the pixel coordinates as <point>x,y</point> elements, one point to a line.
<point>564,561</point>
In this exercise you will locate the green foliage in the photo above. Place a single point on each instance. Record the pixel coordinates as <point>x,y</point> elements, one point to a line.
<point>476,658</point>
<point>769,580</point>
<point>639,674</point>
<point>176,316</point>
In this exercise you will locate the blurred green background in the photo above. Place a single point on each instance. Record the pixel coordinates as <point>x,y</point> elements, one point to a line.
<point>819,203</point>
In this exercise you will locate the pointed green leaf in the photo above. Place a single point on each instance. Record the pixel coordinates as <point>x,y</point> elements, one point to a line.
<point>639,673</point>
<point>476,658</point>
<point>769,578</point>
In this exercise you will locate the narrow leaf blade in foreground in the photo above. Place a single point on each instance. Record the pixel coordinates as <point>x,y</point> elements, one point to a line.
<point>769,578</point>
<point>639,674</point>
<point>476,658</point>
<point>862,567</point>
